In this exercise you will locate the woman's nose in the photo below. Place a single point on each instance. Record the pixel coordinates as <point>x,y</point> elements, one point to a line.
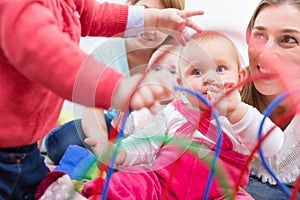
<point>268,53</point>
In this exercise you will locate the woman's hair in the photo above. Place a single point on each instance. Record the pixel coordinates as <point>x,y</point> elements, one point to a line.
<point>252,96</point>
<point>266,3</point>
<point>249,93</point>
<point>178,4</point>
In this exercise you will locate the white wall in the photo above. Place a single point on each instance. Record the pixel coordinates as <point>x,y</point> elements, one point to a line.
<point>229,16</point>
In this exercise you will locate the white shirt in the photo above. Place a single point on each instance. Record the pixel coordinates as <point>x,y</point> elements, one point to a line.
<point>286,163</point>
<point>143,145</point>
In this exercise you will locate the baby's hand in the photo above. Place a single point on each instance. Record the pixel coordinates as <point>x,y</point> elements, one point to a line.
<point>104,151</point>
<point>224,97</point>
<point>98,147</point>
<point>216,95</point>
<point>233,97</point>
<point>137,91</point>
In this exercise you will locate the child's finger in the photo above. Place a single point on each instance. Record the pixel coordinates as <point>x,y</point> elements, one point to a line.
<point>90,141</point>
<point>229,84</point>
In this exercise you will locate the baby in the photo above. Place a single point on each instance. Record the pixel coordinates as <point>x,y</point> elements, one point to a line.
<point>183,136</point>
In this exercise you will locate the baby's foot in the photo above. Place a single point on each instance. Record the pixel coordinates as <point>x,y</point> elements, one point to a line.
<point>55,186</point>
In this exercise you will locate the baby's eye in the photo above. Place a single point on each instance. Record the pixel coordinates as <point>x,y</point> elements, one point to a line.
<point>220,68</point>
<point>173,71</point>
<point>197,72</point>
<point>157,68</point>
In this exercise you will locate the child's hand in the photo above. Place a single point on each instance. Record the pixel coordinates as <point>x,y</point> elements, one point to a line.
<point>230,102</point>
<point>216,94</point>
<point>173,22</point>
<point>96,146</point>
<point>223,96</point>
<point>104,150</point>
<point>233,97</point>
<point>137,91</point>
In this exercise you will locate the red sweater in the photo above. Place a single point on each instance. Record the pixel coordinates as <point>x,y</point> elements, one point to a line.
<point>41,63</point>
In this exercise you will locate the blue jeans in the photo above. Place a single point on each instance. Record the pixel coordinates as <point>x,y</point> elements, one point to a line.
<point>265,191</point>
<point>21,170</point>
<point>70,133</point>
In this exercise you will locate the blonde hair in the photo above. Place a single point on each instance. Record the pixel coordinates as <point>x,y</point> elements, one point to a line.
<point>178,4</point>
<point>163,51</point>
<point>210,35</point>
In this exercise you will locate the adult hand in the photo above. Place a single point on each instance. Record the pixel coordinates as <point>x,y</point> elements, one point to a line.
<point>173,22</point>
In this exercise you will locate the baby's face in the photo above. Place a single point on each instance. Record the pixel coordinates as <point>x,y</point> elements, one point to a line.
<point>166,63</point>
<point>215,61</point>
<point>196,68</point>
<point>224,55</point>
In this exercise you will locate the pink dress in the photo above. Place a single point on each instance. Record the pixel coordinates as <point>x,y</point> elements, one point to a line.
<point>186,176</point>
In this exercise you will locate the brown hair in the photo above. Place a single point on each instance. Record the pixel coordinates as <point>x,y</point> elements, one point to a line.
<point>265,3</point>
<point>249,93</point>
<point>252,96</point>
<point>178,4</point>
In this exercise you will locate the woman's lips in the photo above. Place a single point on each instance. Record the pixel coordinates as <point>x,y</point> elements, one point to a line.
<point>266,71</point>
<point>267,74</point>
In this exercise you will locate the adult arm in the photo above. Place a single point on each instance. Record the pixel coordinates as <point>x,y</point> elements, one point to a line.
<point>43,53</point>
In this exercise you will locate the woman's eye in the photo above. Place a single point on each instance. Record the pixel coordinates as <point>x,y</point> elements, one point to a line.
<point>256,35</point>
<point>290,40</point>
<point>220,69</point>
<point>197,72</point>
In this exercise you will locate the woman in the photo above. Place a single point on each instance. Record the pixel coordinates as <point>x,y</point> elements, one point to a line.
<point>273,37</point>
<point>129,56</point>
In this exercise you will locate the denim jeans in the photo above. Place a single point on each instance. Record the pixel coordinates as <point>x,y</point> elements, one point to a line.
<point>21,170</point>
<point>70,133</point>
<point>264,191</point>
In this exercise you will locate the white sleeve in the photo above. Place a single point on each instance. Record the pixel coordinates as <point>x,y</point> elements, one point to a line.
<point>135,21</point>
<point>142,145</point>
<point>246,131</point>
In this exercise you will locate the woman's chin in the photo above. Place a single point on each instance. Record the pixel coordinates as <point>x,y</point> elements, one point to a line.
<point>269,89</point>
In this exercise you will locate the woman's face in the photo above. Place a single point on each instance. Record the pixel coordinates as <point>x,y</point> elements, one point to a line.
<point>274,49</point>
<point>151,38</point>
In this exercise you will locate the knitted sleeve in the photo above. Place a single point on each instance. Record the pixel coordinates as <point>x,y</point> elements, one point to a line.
<point>44,54</point>
<point>105,19</point>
